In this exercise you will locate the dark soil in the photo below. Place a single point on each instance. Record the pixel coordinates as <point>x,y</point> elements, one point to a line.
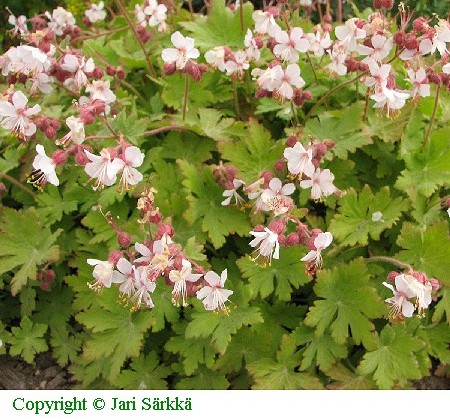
<point>45,374</point>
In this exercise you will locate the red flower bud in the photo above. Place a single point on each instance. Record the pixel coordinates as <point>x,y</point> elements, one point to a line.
<point>59,157</point>
<point>280,165</point>
<point>124,239</point>
<point>169,68</point>
<point>115,256</point>
<point>290,142</point>
<point>110,70</point>
<point>387,4</point>
<point>293,239</point>
<point>277,226</point>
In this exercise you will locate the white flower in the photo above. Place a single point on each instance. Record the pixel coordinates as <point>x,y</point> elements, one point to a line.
<point>127,276</point>
<point>103,274</point>
<point>289,44</point>
<point>265,23</point>
<point>100,89</point>
<point>419,80</point>
<point>132,158</point>
<point>214,295</point>
<point>76,133</point>
<point>299,160</point>
<point>338,57</point>
<point>425,47</point>
<point>44,169</point>
<point>252,50</point>
<point>26,60</point>
<point>267,243</point>
<point>391,99</point>
<point>79,67</point>
<point>288,79</point>
<point>216,58</point>
<point>421,291</point>
<point>60,19</point>
<point>96,12</point>
<point>377,217</point>
<point>179,278</point>
<point>349,33</point>
<point>238,65</point>
<point>446,68</point>
<point>184,51</point>
<point>318,43</point>
<point>19,23</point>
<point>321,184</point>
<point>143,289</point>
<point>229,194</point>
<point>151,13</point>
<point>14,116</point>
<point>314,257</point>
<point>381,47</point>
<point>400,302</point>
<point>102,168</point>
<point>41,82</point>
<point>378,75</point>
<point>267,79</point>
<point>160,260</point>
<point>277,190</point>
<point>441,37</point>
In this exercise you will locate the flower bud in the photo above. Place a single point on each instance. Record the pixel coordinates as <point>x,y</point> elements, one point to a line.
<point>293,239</point>
<point>267,176</point>
<point>115,256</point>
<point>80,156</point>
<point>327,27</point>
<point>290,142</point>
<point>110,70</point>
<point>59,157</point>
<point>280,165</point>
<point>258,228</point>
<point>98,73</point>
<point>328,18</point>
<point>411,42</point>
<point>155,218</point>
<point>399,39</point>
<point>2,188</point>
<point>420,24</point>
<point>193,70</point>
<point>274,11</point>
<point>124,239</point>
<point>387,4</point>
<point>435,284</point>
<point>164,229</point>
<point>277,226</point>
<point>169,69</point>
<point>377,4</point>
<point>392,275</point>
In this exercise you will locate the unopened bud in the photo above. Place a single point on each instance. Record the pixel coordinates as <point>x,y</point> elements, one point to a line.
<point>115,256</point>
<point>59,157</point>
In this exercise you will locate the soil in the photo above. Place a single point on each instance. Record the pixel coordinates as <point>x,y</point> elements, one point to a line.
<point>47,374</point>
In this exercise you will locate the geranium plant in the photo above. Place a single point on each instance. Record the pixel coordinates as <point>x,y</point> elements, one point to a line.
<point>229,197</point>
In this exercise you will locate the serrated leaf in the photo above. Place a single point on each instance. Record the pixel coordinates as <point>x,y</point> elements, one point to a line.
<point>349,302</point>
<point>343,378</point>
<point>64,345</point>
<point>437,339</point>
<point>145,372</point>
<point>203,378</point>
<point>426,249</point>
<point>428,169</point>
<point>254,154</point>
<point>442,308</point>
<point>204,197</point>
<point>52,206</point>
<point>27,340</point>
<point>323,351</point>
<point>394,359</point>
<point>281,373</point>
<point>220,327</point>
<point>353,224</point>
<point>282,276</point>
<point>25,245</point>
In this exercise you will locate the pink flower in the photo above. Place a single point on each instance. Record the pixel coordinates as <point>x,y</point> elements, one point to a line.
<point>41,82</point>
<point>19,23</point>
<point>252,50</point>
<point>391,99</point>
<point>314,257</point>
<point>265,22</point>
<point>184,51</point>
<point>268,245</point>
<point>103,274</point>
<point>338,57</point>
<point>381,47</point>
<point>321,184</point>
<point>229,194</point>
<point>132,158</point>
<point>214,295</point>
<point>76,133</point>
<point>100,89</point>
<point>103,168</point>
<point>216,58</point>
<point>425,47</point>
<point>179,278</point>
<point>277,190</point>
<point>289,44</point>
<point>349,33</point>
<point>127,276</point>
<point>60,19</point>
<point>151,13</point>
<point>238,64</point>
<point>419,80</point>
<point>318,43</point>
<point>288,79</point>
<point>399,301</point>
<point>79,67</point>
<point>299,160</point>
<point>441,37</point>
<point>96,12</point>
<point>143,289</point>
<point>15,115</point>
<point>378,75</point>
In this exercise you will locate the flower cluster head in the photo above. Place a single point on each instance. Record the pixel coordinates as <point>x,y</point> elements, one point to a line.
<point>60,20</point>
<point>96,12</point>
<point>151,14</point>
<point>414,285</point>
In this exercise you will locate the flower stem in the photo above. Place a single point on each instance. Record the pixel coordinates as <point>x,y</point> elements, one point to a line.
<point>433,116</point>
<point>339,11</point>
<point>191,9</point>
<point>312,68</point>
<point>241,14</point>
<point>133,28</point>
<point>185,99</point>
<point>19,185</point>
<point>294,113</point>
<point>97,35</point>
<point>236,99</point>
<point>391,261</point>
<point>366,104</point>
<point>165,128</point>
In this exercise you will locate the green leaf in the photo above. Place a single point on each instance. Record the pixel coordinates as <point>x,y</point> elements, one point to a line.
<point>282,277</point>
<point>254,154</point>
<point>426,249</point>
<point>343,126</point>
<point>128,124</point>
<point>349,302</point>
<point>442,308</point>
<point>212,124</point>
<point>25,245</point>
<point>203,379</point>
<point>65,346</point>
<point>145,372</point>
<point>343,378</point>
<point>353,224</point>
<point>5,337</point>
<point>53,206</point>
<point>204,196</point>
<point>281,373</point>
<point>393,360</point>
<point>429,169</point>
<point>220,327</point>
<point>220,27</point>
<point>437,339</point>
<point>117,334</point>
<point>323,351</point>
<point>27,301</point>
<point>27,340</point>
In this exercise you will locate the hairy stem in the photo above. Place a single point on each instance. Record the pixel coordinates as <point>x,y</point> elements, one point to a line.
<point>185,99</point>
<point>236,99</point>
<point>312,68</point>
<point>433,116</point>
<point>366,104</point>
<point>133,28</point>
<point>391,261</point>
<point>294,113</point>
<point>241,14</point>
<point>165,128</point>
